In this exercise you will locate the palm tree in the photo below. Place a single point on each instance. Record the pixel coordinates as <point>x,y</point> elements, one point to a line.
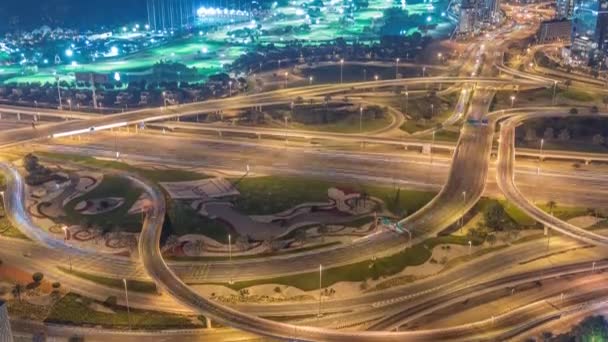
<point>17,291</point>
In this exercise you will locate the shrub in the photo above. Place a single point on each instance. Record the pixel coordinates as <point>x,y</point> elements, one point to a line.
<point>37,277</point>
<point>56,285</point>
<point>111,301</point>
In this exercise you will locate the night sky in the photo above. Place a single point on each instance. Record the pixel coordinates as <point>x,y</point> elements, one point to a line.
<point>28,14</point>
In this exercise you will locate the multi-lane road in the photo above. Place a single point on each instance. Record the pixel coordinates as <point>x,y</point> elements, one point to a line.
<point>465,184</point>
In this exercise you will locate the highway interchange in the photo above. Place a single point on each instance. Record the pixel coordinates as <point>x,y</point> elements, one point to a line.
<point>468,170</point>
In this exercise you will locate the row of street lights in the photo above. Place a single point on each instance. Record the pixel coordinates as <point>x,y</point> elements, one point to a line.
<point>66,237</point>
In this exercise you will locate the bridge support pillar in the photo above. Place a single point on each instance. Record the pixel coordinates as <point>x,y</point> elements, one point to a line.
<point>259,136</point>
<point>219,132</point>
<point>546,230</point>
<point>587,161</point>
<point>209,326</point>
<point>0,116</point>
<point>426,148</point>
<point>136,130</point>
<point>18,116</point>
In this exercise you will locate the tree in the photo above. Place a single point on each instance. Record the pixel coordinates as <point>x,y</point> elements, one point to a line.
<point>30,162</point>
<point>17,290</point>
<point>530,134</point>
<point>37,277</point>
<point>110,302</point>
<point>549,133</point>
<point>564,135</point>
<point>567,83</point>
<point>593,328</point>
<point>491,239</point>
<point>495,216</point>
<point>300,236</point>
<point>594,110</point>
<point>598,139</point>
<point>551,205</point>
<point>56,285</point>
<point>573,111</point>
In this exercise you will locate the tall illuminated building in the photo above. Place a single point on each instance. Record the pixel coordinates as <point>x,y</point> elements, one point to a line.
<point>565,9</point>
<point>590,31</point>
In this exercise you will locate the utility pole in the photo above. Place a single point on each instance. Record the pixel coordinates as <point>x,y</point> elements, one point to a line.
<point>59,92</point>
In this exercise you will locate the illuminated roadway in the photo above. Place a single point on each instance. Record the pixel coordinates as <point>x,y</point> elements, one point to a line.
<point>472,153</point>
<point>506,180</point>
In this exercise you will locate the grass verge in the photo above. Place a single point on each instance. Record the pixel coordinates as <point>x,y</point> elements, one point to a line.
<point>78,310</point>
<point>382,267</point>
<point>133,285</point>
<point>169,175</point>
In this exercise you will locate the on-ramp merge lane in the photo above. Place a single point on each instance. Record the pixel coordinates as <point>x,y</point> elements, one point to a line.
<point>505,177</point>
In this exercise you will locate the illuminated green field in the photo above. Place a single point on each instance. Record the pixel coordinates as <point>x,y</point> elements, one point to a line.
<point>221,49</point>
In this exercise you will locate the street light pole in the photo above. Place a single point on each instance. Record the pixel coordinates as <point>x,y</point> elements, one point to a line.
<point>310,80</point>
<point>554,91</point>
<point>320,288</point>
<point>360,119</point>
<point>230,87</point>
<point>432,144</point>
<point>397,68</point>
<point>464,199</point>
<point>124,281</point>
<point>341,70</point>
<point>59,93</point>
<point>230,248</point>
<point>512,100</point>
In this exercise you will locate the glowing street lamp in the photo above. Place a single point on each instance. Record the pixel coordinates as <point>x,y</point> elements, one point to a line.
<point>230,88</point>
<point>320,288</point>
<point>341,69</point>
<point>124,281</point>
<point>310,80</point>
<point>397,67</point>
<point>512,100</point>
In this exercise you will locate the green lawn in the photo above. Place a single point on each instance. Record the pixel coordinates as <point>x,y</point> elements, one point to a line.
<point>355,73</point>
<point>451,135</point>
<point>133,285</point>
<point>349,124</point>
<point>117,219</point>
<point>522,219</point>
<point>273,194</point>
<point>185,220</point>
<point>420,108</point>
<point>7,229</point>
<point>246,257</point>
<point>517,215</point>
<point>170,175</point>
<point>75,309</point>
<point>382,267</point>
<point>577,95</point>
